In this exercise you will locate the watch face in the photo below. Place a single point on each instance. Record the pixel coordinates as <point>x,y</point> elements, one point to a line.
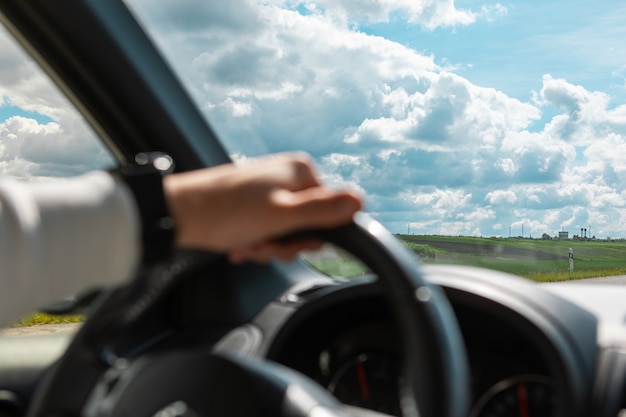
<point>160,161</point>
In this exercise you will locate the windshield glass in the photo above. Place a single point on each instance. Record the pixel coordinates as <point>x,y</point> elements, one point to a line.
<point>480,132</point>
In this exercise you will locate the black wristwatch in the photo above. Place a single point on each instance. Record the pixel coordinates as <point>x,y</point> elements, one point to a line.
<point>144,177</point>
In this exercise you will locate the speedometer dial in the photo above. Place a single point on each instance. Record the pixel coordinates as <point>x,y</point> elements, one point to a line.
<point>368,380</point>
<point>519,396</point>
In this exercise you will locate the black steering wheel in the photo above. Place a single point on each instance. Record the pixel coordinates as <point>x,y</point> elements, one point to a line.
<point>89,380</point>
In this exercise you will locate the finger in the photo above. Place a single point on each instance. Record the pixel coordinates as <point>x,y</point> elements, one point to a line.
<point>287,252</point>
<point>303,171</point>
<point>296,170</point>
<point>265,252</point>
<point>315,207</point>
<point>261,253</point>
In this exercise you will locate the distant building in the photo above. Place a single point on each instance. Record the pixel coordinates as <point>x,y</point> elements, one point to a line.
<point>563,235</point>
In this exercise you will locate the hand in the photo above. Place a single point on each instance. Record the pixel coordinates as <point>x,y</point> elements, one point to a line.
<point>244,209</point>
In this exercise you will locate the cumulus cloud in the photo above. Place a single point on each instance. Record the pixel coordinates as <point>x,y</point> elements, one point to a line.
<point>30,149</point>
<point>425,146</point>
<point>586,114</point>
<point>23,84</point>
<point>501,196</point>
<point>427,13</point>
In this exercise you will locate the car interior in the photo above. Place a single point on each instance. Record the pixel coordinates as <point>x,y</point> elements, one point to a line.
<point>195,335</point>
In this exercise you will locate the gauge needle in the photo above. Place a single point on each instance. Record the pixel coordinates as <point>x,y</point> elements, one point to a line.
<point>360,370</point>
<point>522,400</point>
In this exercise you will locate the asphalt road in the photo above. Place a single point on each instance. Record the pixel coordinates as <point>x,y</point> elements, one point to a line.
<point>613,280</point>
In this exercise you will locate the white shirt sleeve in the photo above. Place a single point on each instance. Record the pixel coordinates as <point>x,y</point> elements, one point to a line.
<point>63,236</point>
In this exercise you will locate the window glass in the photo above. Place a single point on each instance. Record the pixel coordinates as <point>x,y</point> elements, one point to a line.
<point>41,135</point>
<point>482,133</point>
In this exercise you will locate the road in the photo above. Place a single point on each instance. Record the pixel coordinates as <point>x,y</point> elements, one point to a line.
<point>40,329</point>
<point>613,280</point>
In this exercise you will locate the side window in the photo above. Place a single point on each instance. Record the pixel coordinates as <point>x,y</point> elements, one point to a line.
<point>41,135</point>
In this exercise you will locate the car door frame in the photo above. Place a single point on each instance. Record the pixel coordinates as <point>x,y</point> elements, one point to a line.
<point>97,54</point>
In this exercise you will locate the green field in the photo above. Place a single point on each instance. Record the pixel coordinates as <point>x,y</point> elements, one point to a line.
<point>539,260</point>
<point>35,319</point>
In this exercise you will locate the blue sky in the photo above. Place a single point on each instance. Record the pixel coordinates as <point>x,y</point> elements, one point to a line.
<point>511,50</point>
<point>467,117</point>
<point>521,41</point>
<point>8,110</point>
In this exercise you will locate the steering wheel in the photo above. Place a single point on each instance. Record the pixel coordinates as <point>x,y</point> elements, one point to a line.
<point>90,381</point>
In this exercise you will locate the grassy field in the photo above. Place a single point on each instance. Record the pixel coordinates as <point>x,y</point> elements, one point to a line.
<point>538,260</point>
<point>41,318</point>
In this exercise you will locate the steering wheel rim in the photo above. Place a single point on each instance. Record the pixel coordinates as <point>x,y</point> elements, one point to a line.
<point>435,381</point>
<point>431,339</point>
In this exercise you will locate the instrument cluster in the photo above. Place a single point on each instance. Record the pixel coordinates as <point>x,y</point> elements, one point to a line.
<point>353,350</point>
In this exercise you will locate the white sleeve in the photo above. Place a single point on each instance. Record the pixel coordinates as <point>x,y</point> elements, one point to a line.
<point>61,237</point>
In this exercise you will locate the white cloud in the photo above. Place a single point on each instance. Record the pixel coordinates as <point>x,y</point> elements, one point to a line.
<point>419,140</point>
<point>430,14</point>
<point>492,12</point>
<point>479,214</point>
<point>236,108</point>
<point>23,84</point>
<point>442,203</point>
<point>501,196</point>
<point>424,144</point>
<point>587,116</point>
<point>30,149</point>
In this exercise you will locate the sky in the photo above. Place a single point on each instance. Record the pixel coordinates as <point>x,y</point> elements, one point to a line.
<point>465,117</point>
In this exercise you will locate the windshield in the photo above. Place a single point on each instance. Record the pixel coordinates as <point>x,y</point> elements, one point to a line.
<point>479,132</point>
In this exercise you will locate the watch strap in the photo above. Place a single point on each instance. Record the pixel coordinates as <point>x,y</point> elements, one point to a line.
<point>144,177</point>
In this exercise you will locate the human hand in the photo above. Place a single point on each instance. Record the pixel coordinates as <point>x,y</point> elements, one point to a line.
<point>243,210</point>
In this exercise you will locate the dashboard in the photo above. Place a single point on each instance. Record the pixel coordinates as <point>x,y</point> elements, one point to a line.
<point>549,350</point>
<point>353,351</point>
<point>532,352</point>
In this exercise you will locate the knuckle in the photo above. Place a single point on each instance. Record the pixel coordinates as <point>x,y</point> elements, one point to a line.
<point>303,168</point>
<point>302,162</point>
